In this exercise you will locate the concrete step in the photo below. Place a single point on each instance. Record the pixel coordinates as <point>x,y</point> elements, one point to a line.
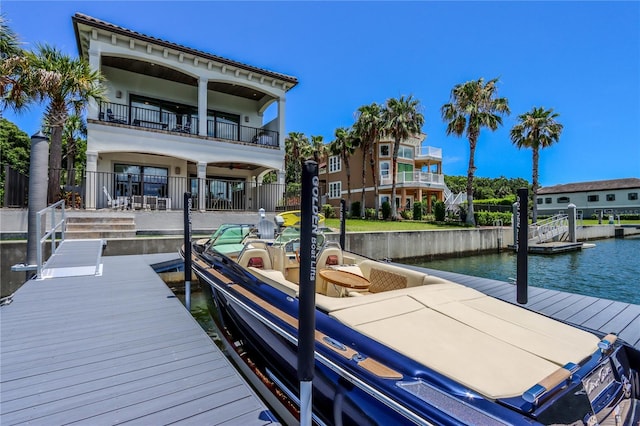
<point>101,226</point>
<point>100,219</point>
<point>90,226</point>
<point>99,233</point>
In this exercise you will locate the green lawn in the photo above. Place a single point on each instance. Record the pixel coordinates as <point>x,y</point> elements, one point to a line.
<point>588,222</point>
<point>355,225</point>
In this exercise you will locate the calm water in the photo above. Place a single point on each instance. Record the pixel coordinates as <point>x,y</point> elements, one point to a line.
<point>610,270</point>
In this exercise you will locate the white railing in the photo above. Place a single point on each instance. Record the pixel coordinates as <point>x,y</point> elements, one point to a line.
<point>414,177</point>
<point>51,232</point>
<point>428,151</point>
<point>549,229</point>
<point>452,200</point>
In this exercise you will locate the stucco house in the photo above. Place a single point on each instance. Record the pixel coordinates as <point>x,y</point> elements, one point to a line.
<point>178,120</point>
<point>616,196</point>
<point>419,175</point>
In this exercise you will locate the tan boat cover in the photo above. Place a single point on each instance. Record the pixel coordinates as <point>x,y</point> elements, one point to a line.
<point>495,348</point>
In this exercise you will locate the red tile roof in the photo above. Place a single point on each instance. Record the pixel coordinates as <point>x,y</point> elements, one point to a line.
<point>80,18</point>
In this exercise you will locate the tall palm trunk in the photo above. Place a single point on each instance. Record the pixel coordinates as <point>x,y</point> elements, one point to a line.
<point>55,164</point>
<point>470,172</point>
<point>372,163</point>
<point>364,184</point>
<point>345,157</point>
<point>534,184</point>
<point>396,150</point>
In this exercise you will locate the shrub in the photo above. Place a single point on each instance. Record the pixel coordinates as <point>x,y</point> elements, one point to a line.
<point>506,201</point>
<point>630,217</point>
<point>371,214</point>
<point>488,218</point>
<point>355,209</point>
<point>328,211</point>
<point>406,214</point>
<point>386,210</point>
<point>417,210</point>
<point>440,211</point>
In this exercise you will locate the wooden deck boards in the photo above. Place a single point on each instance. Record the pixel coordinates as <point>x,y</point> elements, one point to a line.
<point>604,315</point>
<point>112,349</point>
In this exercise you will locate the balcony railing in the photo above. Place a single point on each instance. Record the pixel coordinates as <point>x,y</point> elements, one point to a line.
<point>428,151</point>
<point>184,124</point>
<point>414,178</point>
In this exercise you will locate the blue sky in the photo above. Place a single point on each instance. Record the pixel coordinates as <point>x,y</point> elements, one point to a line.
<point>580,58</point>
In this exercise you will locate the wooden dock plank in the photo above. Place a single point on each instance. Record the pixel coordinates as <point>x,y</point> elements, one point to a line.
<point>112,348</point>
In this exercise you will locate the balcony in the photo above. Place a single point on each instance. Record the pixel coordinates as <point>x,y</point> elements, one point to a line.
<point>415,179</point>
<point>423,152</point>
<point>184,124</point>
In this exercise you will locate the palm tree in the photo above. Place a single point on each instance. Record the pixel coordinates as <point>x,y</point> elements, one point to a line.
<point>67,84</point>
<point>74,137</point>
<point>536,129</point>
<point>473,105</point>
<point>401,119</point>
<point>368,128</point>
<point>16,76</point>
<point>343,145</point>
<point>296,149</point>
<point>319,149</point>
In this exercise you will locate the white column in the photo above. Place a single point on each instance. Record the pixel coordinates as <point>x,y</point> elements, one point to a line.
<point>202,187</point>
<point>92,180</point>
<point>281,105</point>
<point>202,106</point>
<point>94,64</point>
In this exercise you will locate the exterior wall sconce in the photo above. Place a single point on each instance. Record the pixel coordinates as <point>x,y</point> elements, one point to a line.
<point>118,94</point>
<point>177,170</point>
<point>246,118</point>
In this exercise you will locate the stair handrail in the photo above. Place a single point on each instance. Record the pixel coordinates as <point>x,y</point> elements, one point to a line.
<point>549,228</point>
<point>51,232</point>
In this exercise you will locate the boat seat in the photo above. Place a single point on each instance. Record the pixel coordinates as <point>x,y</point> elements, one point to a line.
<point>255,257</point>
<point>387,277</point>
<point>331,255</point>
<point>276,279</point>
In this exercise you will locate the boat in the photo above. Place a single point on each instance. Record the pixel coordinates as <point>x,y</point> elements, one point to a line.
<point>293,217</point>
<point>398,346</point>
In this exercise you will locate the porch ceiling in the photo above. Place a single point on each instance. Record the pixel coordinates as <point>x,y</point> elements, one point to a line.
<point>236,166</point>
<point>165,73</point>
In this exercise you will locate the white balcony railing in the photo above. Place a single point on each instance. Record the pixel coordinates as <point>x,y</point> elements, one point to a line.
<point>428,151</point>
<point>414,178</point>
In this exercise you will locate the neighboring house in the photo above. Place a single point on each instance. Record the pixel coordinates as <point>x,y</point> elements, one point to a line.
<point>617,196</point>
<point>178,120</point>
<point>419,175</point>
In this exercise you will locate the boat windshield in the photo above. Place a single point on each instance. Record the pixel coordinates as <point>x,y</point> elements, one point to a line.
<point>228,236</point>
<point>291,235</point>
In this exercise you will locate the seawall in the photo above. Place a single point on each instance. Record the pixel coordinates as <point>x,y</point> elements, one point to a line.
<point>397,245</point>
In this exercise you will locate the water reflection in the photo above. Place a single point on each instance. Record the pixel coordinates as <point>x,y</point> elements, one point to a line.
<point>610,270</point>
<point>199,310</point>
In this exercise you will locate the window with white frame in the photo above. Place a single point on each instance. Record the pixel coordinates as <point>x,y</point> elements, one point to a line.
<point>405,152</point>
<point>385,150</point>
<point>335,165</point>
<point>385,170</point>
<point>335,189</point>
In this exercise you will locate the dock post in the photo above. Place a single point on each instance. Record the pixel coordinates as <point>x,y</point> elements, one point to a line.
<point>309,247</point>
<point>522,246</point>
<point>343,223</point>
<point>572,223</point>
<point>38,178</point>
<point>187,250</point>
